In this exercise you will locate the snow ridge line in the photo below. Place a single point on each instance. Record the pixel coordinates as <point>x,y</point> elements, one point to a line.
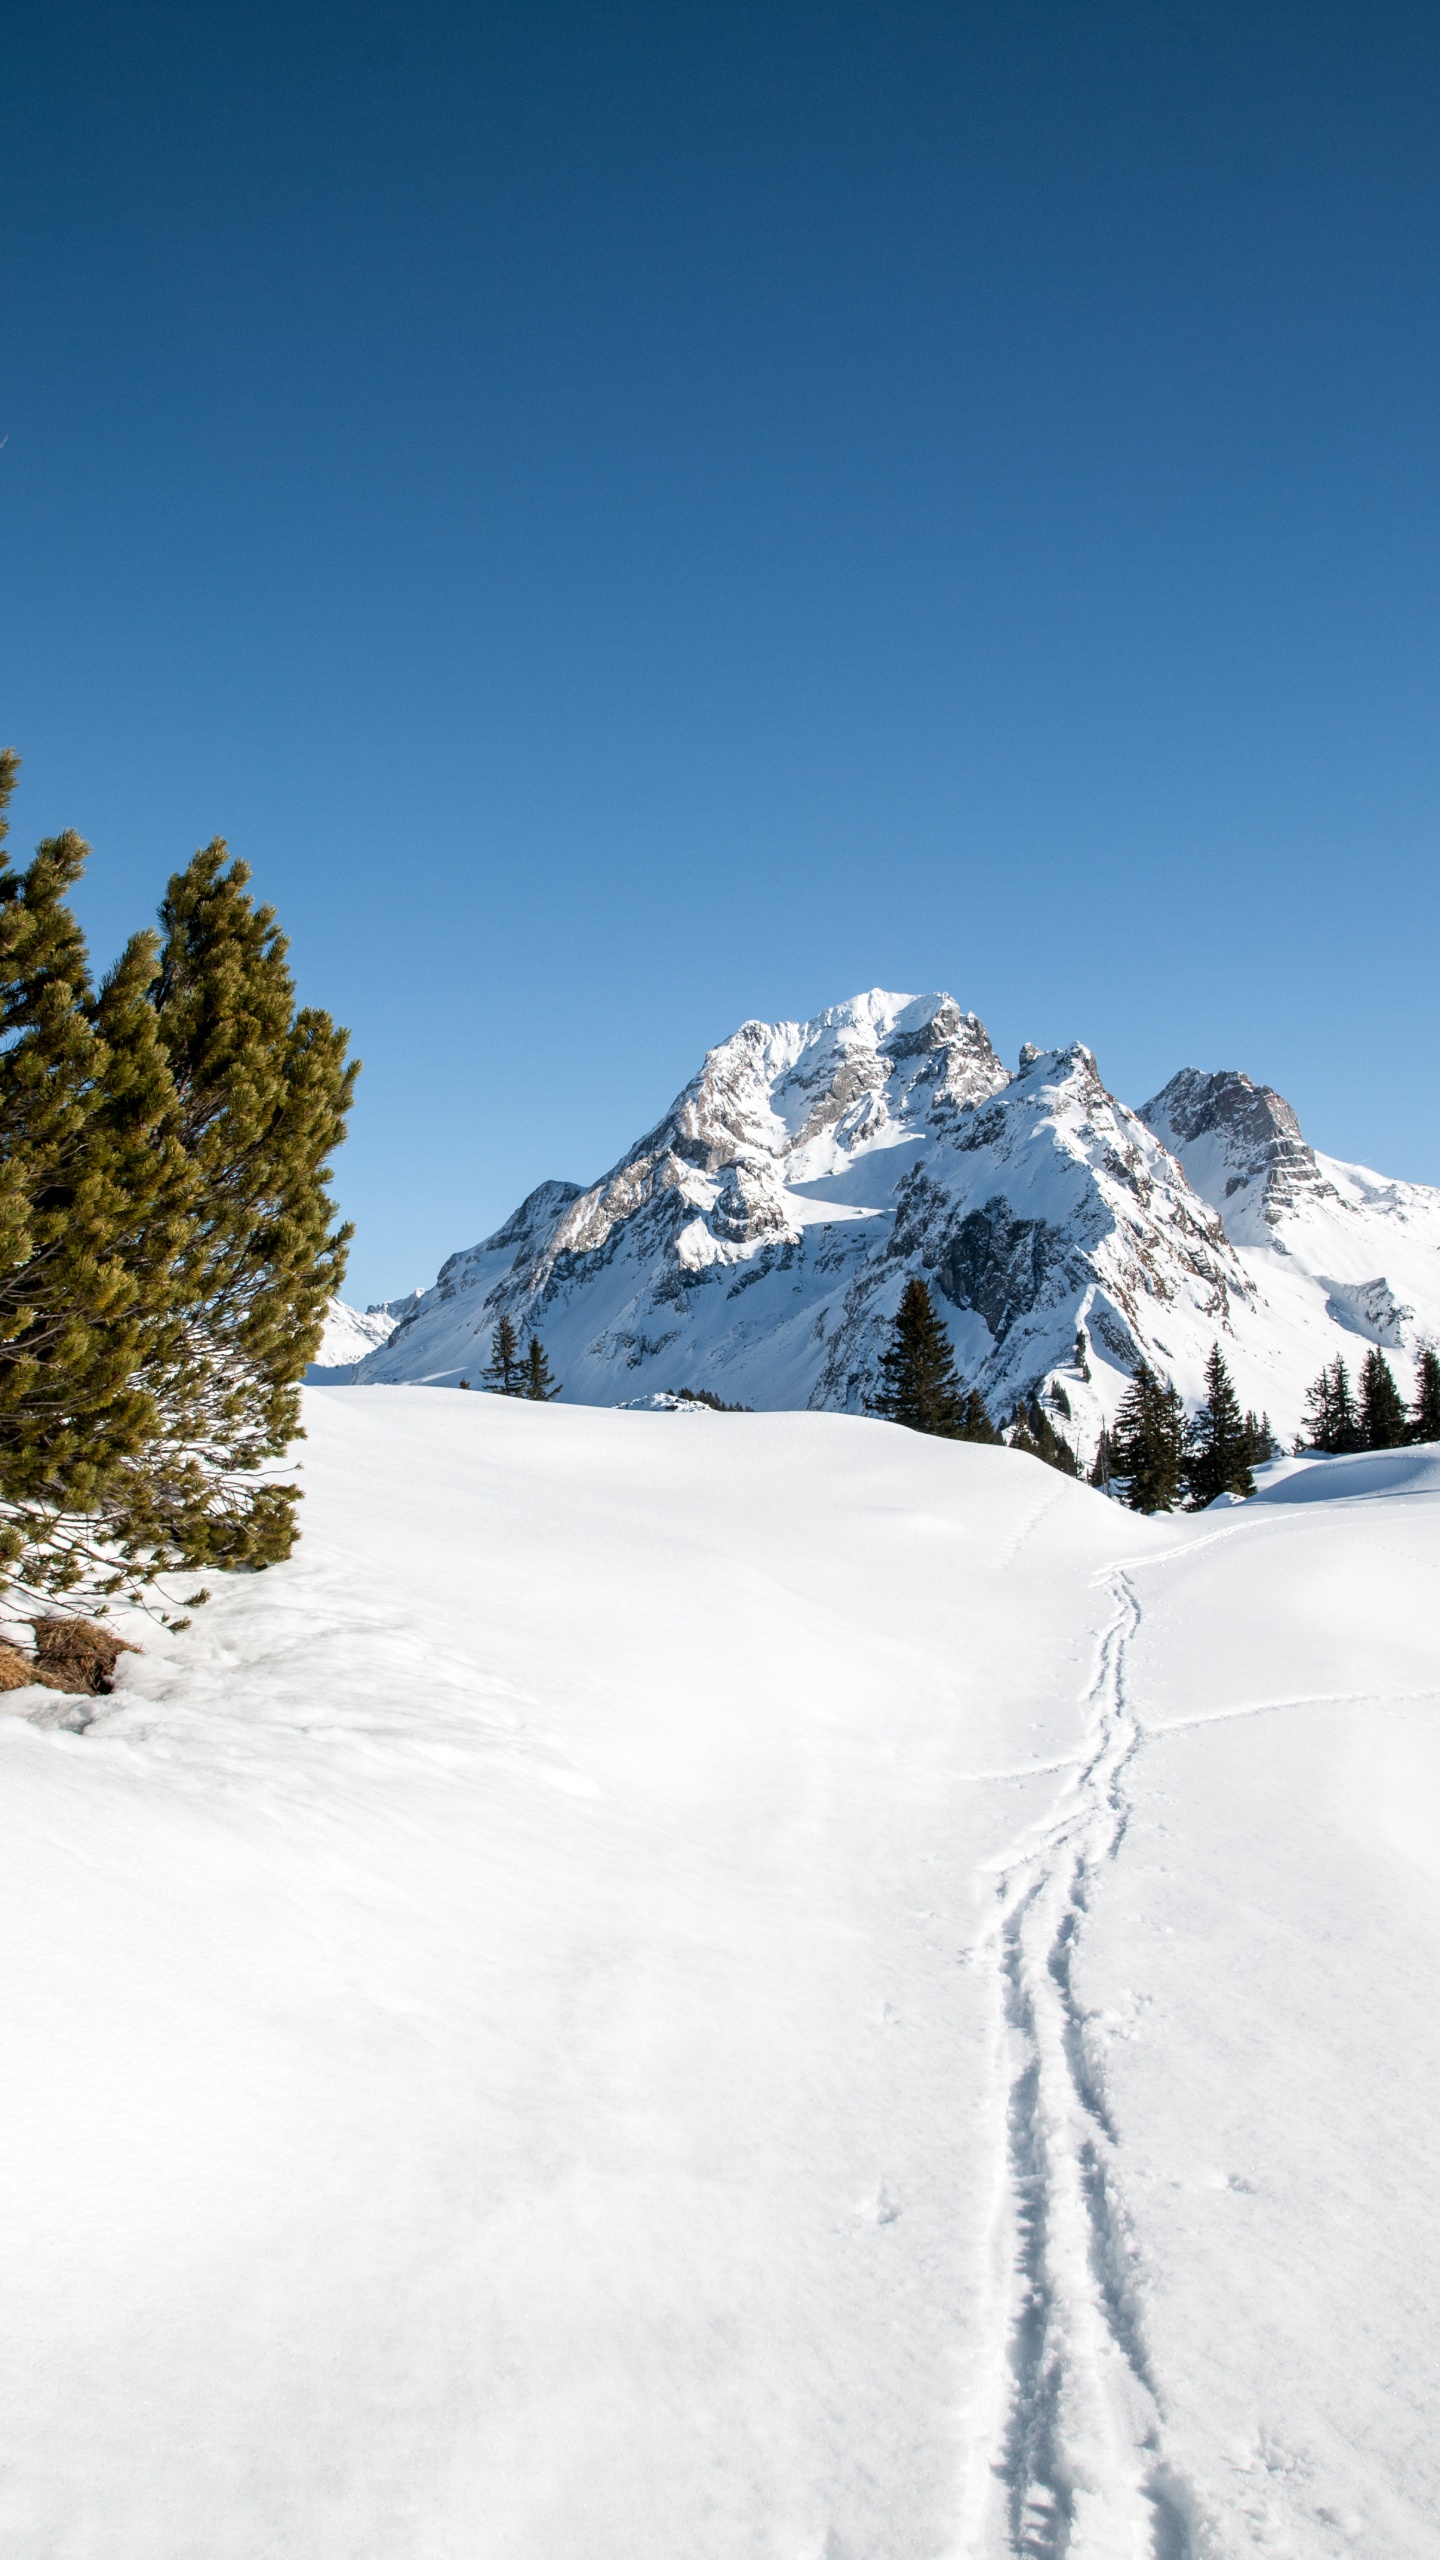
<point>1080,2467</point>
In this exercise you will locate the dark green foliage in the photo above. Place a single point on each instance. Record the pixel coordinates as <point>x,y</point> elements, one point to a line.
<point>975,1422</point>
<point>263,1091</point>
<point>1217,1442</point>
<point>1148,1442</point>
<point>1425,1413</point>
<point>1033,1432</point>
<point>1332,1424</point>
<point>1382,1414</point>
<point>1104,1467</point>
<point>918,1385</point>
<point>1082,1353</point>
<point>712,1404</point>
<point>165,1250</point>
<point>1059,1398</point>
<point>537,1384</point>
<point>504,1377</point>
<point>1260,1443</point>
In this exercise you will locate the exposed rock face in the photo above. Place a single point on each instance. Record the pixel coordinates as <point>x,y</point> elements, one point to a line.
<point>1240,1146</point>
<point>755,1242</point>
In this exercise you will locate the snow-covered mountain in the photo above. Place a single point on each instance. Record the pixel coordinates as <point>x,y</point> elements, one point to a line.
<point>755,1242</point>
<point>351,1335</point>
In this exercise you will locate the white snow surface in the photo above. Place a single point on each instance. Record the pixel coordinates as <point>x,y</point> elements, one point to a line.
<point>756,1242</point>
<point>778,1989</point>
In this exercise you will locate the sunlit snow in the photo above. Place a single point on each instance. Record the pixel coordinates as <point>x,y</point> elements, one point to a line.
<point>754,1985</point>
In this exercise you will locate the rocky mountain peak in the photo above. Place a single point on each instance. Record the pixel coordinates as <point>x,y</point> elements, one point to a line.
<point>1241,1147</point>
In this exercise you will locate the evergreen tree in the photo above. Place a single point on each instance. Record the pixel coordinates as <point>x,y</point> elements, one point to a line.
<point>504,1373</point>
<point>1104,1464</point>
<point>539,1385</point>
<point>1425,1414</point>
<point>976,1423</point>
<point>1217,1442</point>
<point>93,1204</point>
<point>1382,1414</point>
<point>1260,1445</point>
<point>165,1254</point>
<point>1082,1352</point>
<point>1035,1434</point>
<point>1332,1423</point>
<point>918,1384</point>
<point>263,1091</point>
<point>1148,1442</point>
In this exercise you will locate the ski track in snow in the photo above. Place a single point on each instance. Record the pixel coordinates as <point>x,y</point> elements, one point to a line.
<point>1079,2462</point>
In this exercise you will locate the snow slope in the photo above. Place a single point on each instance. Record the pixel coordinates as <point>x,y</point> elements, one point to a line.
<point>757,1240</point>
<point>751,1986</point>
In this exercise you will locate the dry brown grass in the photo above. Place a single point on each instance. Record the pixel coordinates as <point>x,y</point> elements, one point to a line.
<point>17,1670</point>
<point>75,1654</point>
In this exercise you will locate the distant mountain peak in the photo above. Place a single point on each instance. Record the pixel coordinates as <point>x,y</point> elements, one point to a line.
<point>756,1240</point>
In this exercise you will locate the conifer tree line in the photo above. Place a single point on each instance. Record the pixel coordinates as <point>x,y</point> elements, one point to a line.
<point>167,1241</point>
<point>515,1373</point>
<point>1337,1424</point>
<point>1153,1456</point>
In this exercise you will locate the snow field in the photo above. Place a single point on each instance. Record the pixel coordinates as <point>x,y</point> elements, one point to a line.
<point>768,1987</point>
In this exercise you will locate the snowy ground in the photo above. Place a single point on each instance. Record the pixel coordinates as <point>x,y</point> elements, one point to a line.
<point>708,1988</point>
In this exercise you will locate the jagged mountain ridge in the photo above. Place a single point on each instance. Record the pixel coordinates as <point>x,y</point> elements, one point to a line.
<point>756,1240</point>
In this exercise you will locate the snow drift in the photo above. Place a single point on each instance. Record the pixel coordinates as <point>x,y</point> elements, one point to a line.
<point>754,1985</point>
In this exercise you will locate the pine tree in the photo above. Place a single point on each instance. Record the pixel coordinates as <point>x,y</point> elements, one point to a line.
<point>1082,1353</point>
<point>1382,1414</point>
<point>1103,1467</point>
<point>503,1376</point>
<point>918,1384</point>
<point>263,1091</point>
<point>1217,1456</point>
<point>1425,1413</point>
<point>1332,1423</point>
<point>539,1385</point>
<point>1148,1442</point>
<point>165,1253</point>
<point>93,1203</point>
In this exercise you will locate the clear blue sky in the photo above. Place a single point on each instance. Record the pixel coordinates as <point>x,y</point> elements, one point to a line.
<point>633,517</point>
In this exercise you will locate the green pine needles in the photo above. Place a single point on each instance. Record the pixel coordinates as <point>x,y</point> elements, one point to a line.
<point>167,1244</point>
<point>1336,1425</point>
<point>513,1373</point>
<point>919,1385</point>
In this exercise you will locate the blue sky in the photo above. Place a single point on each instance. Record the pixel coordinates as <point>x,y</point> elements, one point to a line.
<point>634,517</point>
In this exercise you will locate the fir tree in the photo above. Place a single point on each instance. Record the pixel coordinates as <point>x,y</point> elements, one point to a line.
<point>538,1383</point>
<point>1260,1445</point>
<point>1103,1467</point>
<point>1332,1425</point>
<point>1082,1352</point>
<point>1035,1434</point>
<point>1425,1413</point>
<point>918,1385</point>
<point>1382,1414</point>
<point>976,1423</point>
<point>1148,1442</point>
<point>1217,1442</point>
<point>504,1373</point>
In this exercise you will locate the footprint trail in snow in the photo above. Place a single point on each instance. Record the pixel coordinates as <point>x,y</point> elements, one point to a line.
<point>1080,2465</point>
